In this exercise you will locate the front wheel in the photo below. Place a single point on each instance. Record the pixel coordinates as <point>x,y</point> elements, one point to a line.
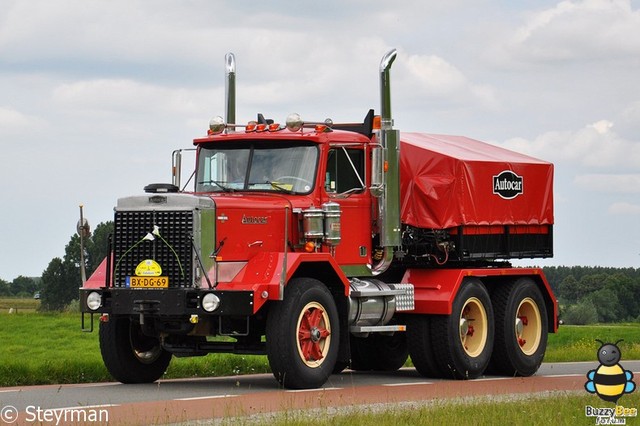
<point>129,355</point>
<point>521,328</point>
<point>303,335</point>
<point>463,341</point>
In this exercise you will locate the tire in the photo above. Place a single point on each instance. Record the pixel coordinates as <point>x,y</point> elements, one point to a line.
<point>303,335</point>
<point>421,345</point>
<point>463,341</point>
<point>521,328</point>
<point>379,352</point>
<point>129,355</point>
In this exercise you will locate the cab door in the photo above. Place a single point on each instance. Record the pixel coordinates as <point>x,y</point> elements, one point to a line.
<point>346,184</point>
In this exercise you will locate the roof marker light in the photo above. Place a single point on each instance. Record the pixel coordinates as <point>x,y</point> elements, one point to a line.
<point>251,127</point>
<point>261,127</point>
<point>376,122</point>
<point>216,125</point>
<point>294,122</point>
<point>274,127</point>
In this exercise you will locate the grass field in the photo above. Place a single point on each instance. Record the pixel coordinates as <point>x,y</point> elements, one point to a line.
<point>19,305</point>
<point>577,342</point>
<point>558,409</point>
<point>39,348</point>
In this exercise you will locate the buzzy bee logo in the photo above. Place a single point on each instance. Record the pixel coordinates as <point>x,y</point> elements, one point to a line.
<point>610,381</point>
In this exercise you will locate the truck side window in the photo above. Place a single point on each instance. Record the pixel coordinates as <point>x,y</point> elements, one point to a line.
<point>345,170</point>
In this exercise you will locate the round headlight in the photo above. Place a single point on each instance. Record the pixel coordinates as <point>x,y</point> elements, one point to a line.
<point>94,300</point>
<point>210,302</point>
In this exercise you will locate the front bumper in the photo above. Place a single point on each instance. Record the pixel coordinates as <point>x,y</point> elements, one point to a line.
<point>167,302</point>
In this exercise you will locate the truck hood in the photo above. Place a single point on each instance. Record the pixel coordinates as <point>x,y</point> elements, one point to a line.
<point>248,224</point>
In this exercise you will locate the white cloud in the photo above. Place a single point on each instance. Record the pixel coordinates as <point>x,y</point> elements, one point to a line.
<point>596,145</point>
<point>119,96</point>
<point>624,208</point>
<point>609,183</point>
<point>12,118</point>
<point>583,29</point>
<point>431,76</point>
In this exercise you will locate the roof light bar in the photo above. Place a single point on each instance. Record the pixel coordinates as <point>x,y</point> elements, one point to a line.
<point>295,124</point>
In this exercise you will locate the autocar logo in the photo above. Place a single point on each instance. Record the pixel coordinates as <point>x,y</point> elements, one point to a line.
<point>508,185</point>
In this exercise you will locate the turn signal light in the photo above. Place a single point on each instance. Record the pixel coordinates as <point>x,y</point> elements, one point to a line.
<point>309,246</point>
<point>376,122</point>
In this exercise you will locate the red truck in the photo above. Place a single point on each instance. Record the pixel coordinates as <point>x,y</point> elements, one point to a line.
<point>331,245</point>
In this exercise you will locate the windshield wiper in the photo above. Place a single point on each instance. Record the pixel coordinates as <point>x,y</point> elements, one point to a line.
<point>218,184</point>
<point>280,188</point>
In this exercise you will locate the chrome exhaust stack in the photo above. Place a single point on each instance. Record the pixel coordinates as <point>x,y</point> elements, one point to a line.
<point>230,89</point>
<point>389,205</point>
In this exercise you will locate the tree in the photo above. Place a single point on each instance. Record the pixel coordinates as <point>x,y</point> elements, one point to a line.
<point>569,289</point>
<point>582,313</point>
<point>5,290</point>
<point>23,286</point>
<point>606,303</point>
<point>62,280</point>
<point>56,291</point>
<point>627,289</point>
<point>97,246</point>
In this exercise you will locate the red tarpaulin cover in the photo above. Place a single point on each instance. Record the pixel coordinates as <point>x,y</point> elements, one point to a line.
<point>447,181</point>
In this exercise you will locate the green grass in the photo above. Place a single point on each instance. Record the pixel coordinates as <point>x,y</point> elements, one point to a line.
<point>39,348</point>
<point>19,304</point>
<point>577,342</point>
<point>558,409</point>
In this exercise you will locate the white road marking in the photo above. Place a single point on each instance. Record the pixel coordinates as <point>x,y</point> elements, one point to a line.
<point>407,384</point>
<point>311,390</point>
<point>196,398</point>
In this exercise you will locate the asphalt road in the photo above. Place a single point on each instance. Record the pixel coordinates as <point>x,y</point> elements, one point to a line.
<point>172,401</point>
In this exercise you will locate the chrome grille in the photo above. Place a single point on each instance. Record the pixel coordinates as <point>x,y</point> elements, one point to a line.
<point>173,251</point>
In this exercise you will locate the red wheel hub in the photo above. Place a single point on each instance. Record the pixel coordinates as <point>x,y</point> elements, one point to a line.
<point>311,333</point>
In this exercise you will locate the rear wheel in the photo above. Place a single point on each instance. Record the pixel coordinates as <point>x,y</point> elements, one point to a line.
<point>303,335</point>
<point>129,355</point>
<point>421,346</point>
<point>521,328</point>
<point>463,341</point>
<point>379,352</point>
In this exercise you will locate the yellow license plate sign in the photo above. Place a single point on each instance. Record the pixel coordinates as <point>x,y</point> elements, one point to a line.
<point>148,282</point>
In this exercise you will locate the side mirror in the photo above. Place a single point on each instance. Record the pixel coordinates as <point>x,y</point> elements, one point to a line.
<point>377,171</point>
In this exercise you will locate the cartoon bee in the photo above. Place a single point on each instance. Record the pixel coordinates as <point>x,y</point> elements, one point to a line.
<point>609,381</point>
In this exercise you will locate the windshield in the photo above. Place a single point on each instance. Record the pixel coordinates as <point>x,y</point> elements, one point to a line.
<point>241,167</point>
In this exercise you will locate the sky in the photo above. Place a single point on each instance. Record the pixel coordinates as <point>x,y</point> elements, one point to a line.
<point>95,96</point>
